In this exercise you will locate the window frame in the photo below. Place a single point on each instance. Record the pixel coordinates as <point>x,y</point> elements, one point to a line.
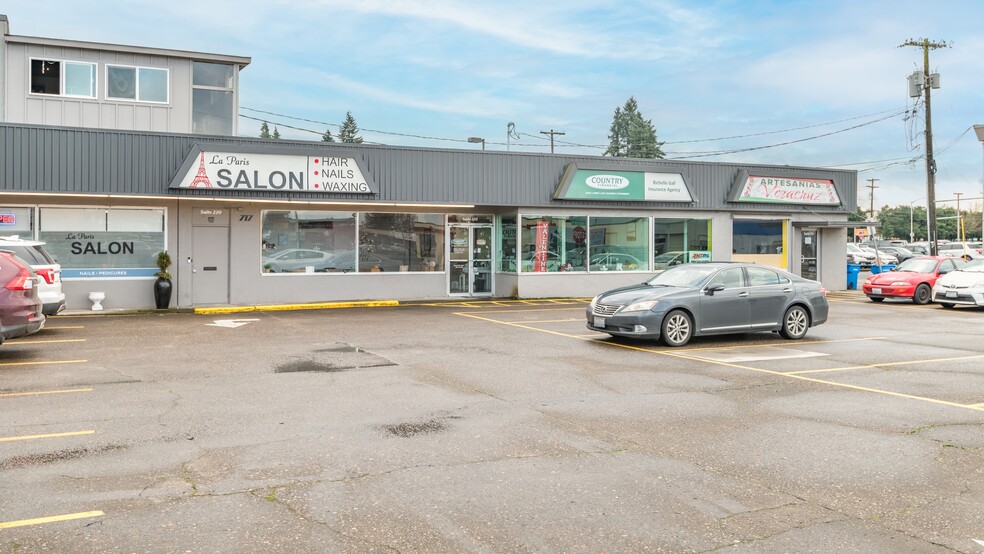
<point>61,79</point>
<point>136,84</point>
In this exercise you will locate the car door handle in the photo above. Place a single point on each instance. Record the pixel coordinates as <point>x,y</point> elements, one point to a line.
<point>742,295</point>
<point>787,289</point>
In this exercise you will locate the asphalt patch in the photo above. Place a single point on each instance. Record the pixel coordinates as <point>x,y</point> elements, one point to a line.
<point>333,360</point>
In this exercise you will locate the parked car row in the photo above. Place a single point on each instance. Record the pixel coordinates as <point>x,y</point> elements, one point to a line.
<point>945,280</point>
<point>30,287</point>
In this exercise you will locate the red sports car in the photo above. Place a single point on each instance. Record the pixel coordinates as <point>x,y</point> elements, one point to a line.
<point>913,278</point>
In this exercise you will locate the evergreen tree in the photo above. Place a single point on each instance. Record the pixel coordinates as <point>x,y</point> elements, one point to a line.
<point>327,136</point>
<point>276,133</point>
<point>632,136</point>
<point>349,131</point>
<point>264,131</point>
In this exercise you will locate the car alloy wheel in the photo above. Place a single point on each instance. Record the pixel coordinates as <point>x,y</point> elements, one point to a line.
<point>795,323</point>
<point>922,295</point>
<point>677,328</point>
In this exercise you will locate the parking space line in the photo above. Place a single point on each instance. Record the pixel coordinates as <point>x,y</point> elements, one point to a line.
<point>47,341</point>
<point>785,343</point>
<point>60,327</point>
<point>48,436</point>
<point>975,407</point>
<point>49,519</point>
<point>887,364</point>
<point>521,311</point>
<point>7,364</point>
<point>38,393</point>
<point>555,320</point>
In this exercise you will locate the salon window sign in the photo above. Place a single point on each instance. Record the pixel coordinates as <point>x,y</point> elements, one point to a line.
<point>94,255</point>
<point>785,190</point>
<point>275,173</point>
<point>625,186</point>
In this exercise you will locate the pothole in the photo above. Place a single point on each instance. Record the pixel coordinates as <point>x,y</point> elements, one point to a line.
<point>410,429</point>
<point>59,456</point>
<point>333,359</point>
<point>299,366</point>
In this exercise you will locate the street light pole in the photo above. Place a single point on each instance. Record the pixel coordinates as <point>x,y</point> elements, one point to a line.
<point>912,233</point>
<point>979,129</point>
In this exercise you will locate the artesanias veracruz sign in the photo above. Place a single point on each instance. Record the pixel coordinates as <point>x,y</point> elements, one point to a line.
<point>784,190</point>
<point>253,172</point>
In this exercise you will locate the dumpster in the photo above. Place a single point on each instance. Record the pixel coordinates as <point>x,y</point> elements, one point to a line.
<point>852,276</point>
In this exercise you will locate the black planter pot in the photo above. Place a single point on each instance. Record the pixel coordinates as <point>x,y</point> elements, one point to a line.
<point>162,293</point>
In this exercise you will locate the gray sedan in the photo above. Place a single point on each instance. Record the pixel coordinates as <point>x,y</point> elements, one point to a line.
<point>710,299</point>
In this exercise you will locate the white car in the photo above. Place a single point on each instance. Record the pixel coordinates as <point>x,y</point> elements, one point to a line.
<point>966,250</point>
<point>856,255</point>
<point>48,270</point>
<point>962,286</point>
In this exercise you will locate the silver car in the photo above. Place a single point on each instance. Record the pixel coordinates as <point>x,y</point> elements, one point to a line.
<point>710,299</point>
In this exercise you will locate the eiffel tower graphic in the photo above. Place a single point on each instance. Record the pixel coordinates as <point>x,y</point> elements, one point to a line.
<point>201,178</point>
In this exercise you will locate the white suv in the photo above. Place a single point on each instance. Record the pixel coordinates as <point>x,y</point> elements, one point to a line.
<point>48,270</point>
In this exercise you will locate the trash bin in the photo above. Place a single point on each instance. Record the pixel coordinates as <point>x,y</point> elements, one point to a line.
<point>875,268</point>
<point>887,267</point>
<point>852,276</point>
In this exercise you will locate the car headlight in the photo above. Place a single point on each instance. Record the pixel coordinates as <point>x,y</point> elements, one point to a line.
<point>900,283</point>
<point>640,306</point>
<point>594,302</point>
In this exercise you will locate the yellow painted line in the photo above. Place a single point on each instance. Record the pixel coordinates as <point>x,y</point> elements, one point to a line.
<point>64,327</point>
<point>974,407</point>
<point>285,307</point>
<point>44,363</point>
<point>981,405</point>
<point>16,341</point>
<point>48,436</point>
<point>38,393</point>
<point>525,311</point>
<point>888,364</point>
<point>50,519</point>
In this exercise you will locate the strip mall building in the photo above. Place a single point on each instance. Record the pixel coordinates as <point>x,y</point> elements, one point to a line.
<point>110,162</point>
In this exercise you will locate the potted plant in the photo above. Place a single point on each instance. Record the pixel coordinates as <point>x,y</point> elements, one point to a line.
<point>162,286</point>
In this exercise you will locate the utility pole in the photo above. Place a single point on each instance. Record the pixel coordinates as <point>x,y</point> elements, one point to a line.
<point>929,82</point>
<point>871,211</point>
<point>551,133</point>
<point>961,235</point>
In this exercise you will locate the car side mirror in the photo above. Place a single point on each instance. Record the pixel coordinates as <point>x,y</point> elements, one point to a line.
<point>714,288</point>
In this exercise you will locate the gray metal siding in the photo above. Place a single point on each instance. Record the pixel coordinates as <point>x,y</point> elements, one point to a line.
<point>69,160</point>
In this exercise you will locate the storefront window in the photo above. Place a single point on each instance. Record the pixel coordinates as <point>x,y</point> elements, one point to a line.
<point>680,241</point>
<point>401,242</point>
<point>103,242</point>
<point>553,243</point>
<point>759,241</point>
<point>507,243</point>
<point>307,241</point>
<point>17,221</point>
<point>617,243</point>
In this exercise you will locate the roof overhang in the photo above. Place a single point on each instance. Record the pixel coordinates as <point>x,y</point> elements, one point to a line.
<point>837,224</point>
<point>242,61</point>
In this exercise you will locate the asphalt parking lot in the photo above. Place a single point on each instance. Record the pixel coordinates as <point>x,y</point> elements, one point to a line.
<point>495,426</point>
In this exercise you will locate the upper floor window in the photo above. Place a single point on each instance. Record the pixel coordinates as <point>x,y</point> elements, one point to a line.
<point>61,78</point>
<point>212,100</point>
<point>142,84</point>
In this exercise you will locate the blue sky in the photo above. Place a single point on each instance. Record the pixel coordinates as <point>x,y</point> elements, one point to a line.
<point>433,73</point>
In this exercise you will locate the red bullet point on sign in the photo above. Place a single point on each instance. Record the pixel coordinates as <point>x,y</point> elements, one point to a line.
<point>316,160</point>
<point>315,171</point>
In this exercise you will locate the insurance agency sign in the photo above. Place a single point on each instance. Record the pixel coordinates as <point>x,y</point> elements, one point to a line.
<point>596,183</point>
<point>262,172</point>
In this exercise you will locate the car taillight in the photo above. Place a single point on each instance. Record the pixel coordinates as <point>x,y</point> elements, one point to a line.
<point>48,275</point>
<point>22,281</point>
<point>823,291</point>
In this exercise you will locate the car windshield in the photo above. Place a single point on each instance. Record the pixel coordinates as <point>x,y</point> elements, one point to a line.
<point>975,265</point>
<point>689,275</point>
<point>917,265</point>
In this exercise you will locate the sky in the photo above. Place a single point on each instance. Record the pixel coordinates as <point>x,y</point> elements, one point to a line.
<point>799,83</point>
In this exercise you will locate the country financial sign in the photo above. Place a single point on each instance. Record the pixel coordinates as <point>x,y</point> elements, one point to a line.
<point>622,186</point>
<point>274,173</point>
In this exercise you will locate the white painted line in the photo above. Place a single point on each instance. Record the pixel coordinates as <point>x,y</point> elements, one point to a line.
<point>231,323</point>
<point>754,354</point>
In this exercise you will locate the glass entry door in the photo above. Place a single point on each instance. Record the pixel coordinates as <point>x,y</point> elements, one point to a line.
<point>808,254</point>
<point>470,260</point>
